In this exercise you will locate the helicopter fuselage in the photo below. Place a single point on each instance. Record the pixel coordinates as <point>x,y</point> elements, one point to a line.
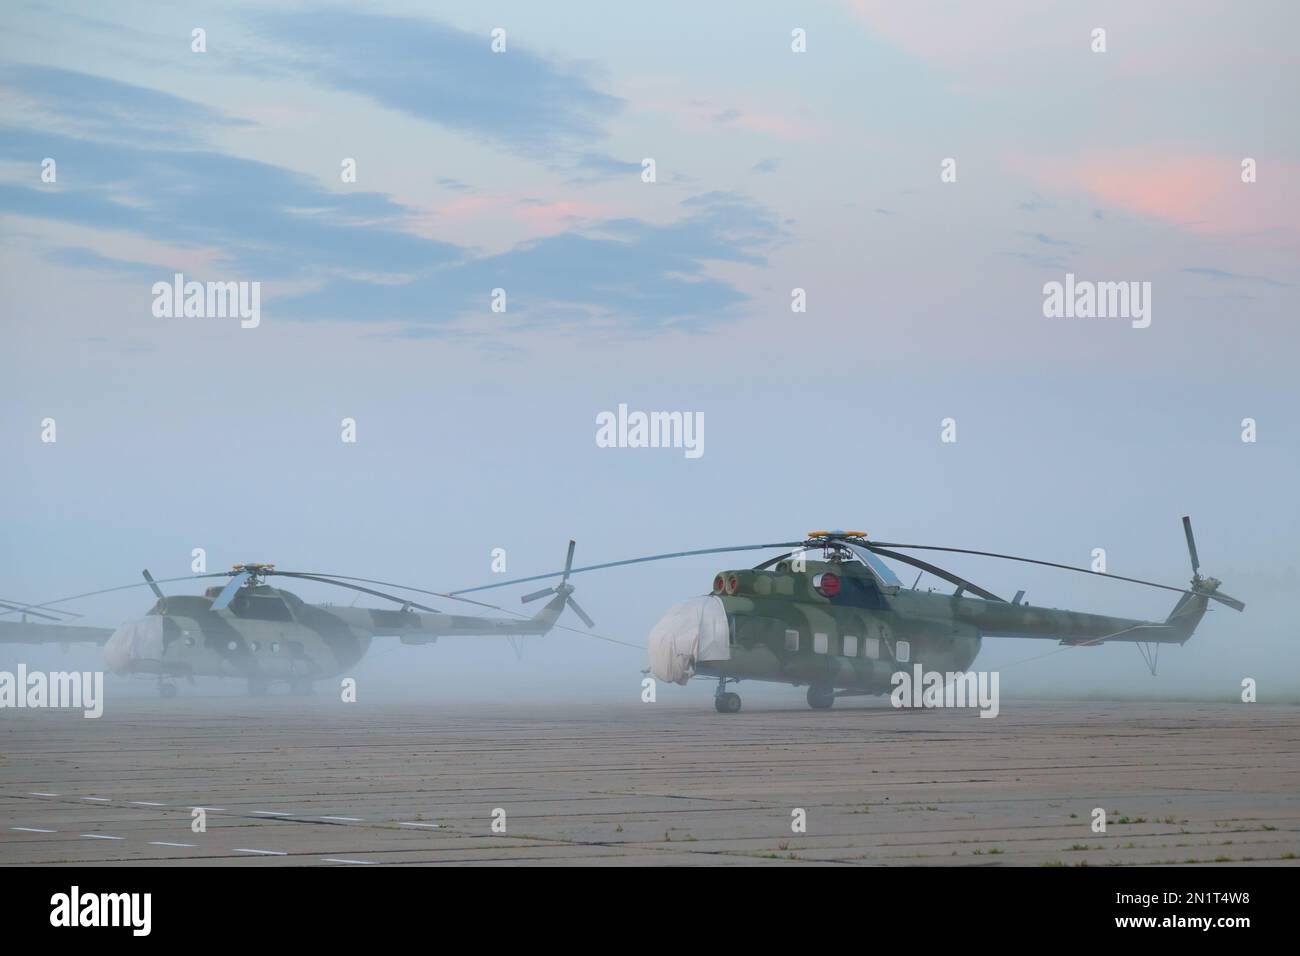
<point>839,627</point>
<point>266,635</point>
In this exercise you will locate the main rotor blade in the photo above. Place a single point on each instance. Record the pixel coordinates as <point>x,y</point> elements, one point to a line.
<point>402,587</point>
<point>936,571</point>
<point>1191,545</point>
<point>9,602</point>
<point>771,561</point>
<point>874,546</point>
<point>355,587</point>
<point>18,607</point>
<point>153,585</point>
<point>616,564</point>
<point>573,605</point>
<point>229,591</point>
<point>122,587</point>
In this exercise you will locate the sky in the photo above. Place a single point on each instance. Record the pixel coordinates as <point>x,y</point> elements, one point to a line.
<point>775,170</point>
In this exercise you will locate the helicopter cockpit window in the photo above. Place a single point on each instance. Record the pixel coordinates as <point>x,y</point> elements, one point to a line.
<point>259,608</point>
<point>858,591</point>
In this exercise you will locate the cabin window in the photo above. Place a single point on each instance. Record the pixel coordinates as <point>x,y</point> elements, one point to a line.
<point>792,640</point>
<point>871,647</point>
<point>850,645</point>
<point>903,651</point>
<point>821,643</point>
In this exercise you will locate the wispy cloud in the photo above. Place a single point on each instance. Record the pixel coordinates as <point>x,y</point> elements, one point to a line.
<point>621,273</point>
<point>262,218</point>
<point>97,107</point>
<point>1223,275</point>
<point>360,251</point>
<point>446,76</point>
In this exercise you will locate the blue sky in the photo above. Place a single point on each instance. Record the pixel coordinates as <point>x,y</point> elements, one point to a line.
<point>522,171</point>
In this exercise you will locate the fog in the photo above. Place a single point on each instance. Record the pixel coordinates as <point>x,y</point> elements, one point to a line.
<point>476,429</point>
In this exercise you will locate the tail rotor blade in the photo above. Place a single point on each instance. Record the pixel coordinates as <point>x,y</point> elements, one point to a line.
<point>536,595</point>
<point>1191,545</point>
<point>568,560</point>
<point>573,605</point>
<point>153,585</point>
<point>1231,602</point>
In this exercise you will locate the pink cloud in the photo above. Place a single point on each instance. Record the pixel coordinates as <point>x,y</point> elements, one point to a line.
<point>1201,193</point>
<point>518,216</point>
<point>548,218</point>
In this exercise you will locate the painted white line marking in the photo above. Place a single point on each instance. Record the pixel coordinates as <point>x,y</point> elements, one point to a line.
<point>35,794</point>
<point>335,859</point>
<point>97,799</point>
<point>271,813</point>
<point>147,803</point>
<point>344,819</point>
<point>431,826</point>
<point>32,830</point>
<point>100,836</point>
<point>240,849</point>
<point>210,809</point>
<point>165,843</point>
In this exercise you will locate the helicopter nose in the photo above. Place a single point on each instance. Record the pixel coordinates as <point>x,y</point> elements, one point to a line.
<point>134,641</point>
<point>690,632</point>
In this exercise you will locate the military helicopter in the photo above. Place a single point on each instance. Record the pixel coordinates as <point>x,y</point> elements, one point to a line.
<point>845,624</point>
<point>261,633</point>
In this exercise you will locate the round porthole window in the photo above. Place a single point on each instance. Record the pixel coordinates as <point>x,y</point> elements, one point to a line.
<point>231,646</point>
<point>275,647</point>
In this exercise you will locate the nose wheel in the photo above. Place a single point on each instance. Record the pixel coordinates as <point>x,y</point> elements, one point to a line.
<point>724,701</point>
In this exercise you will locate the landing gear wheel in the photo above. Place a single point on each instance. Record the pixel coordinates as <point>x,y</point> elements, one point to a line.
<point>727,703</point>
<point>300,686</point>
<point>257,686</point>
<point>821,698</point>
<point>167,691</point>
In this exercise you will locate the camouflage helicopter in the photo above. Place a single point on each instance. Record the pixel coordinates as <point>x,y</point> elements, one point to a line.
<point>845,624</point>
<point>261,633</point>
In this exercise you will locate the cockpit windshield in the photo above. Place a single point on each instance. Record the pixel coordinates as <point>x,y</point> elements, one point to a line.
<point>882,570</point>
<point>257,607</point>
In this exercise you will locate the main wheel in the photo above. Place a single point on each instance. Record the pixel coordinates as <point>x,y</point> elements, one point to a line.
<point>257,686</point>
<point>167,690</point>
<point>300,686</point>
<point>821,698</point>
<point>727,703</point>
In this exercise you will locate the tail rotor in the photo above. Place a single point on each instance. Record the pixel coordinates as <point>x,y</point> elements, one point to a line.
<point>1209,587</point>
<point>563,588</point>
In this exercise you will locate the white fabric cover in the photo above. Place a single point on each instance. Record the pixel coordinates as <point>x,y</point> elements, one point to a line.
<point>140,640</point>
<point>695,630</point>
